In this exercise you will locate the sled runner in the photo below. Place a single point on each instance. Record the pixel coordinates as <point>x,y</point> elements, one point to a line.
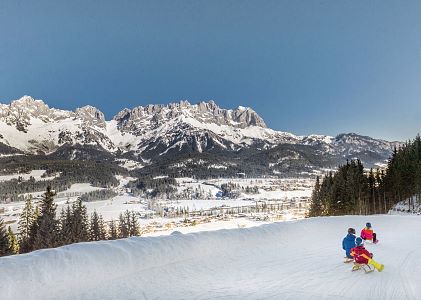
<point>366,268</point>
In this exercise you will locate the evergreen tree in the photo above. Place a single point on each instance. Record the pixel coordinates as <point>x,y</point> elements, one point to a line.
<point>95,227</point>
<point>47,231</point>
<point>66,226</point>
<point>4,240</point>
<point>13,242</point>
<point>102,230</point>
<point>134,225</point>
<point>33,230</point>
<point>316,208</point>
<point>80,223</point>
<point>113,233</point>
<point>123,227</point>
<point>26,220</point>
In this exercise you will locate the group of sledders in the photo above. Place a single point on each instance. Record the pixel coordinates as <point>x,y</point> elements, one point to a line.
<point>356,252</point>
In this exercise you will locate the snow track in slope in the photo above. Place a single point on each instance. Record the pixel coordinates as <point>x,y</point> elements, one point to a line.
<point>290,260</point>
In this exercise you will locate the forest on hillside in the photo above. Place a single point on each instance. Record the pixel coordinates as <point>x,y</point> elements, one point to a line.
<point>353,190</point>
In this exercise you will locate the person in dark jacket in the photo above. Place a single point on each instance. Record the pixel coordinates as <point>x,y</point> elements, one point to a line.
<point>348,243</point>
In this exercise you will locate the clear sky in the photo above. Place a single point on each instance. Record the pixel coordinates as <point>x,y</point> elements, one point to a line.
<point>305,66</point>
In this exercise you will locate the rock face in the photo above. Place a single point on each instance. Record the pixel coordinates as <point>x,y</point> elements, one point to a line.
<point>91,116</point>
<point>154,132</point>
<point>154,116</point>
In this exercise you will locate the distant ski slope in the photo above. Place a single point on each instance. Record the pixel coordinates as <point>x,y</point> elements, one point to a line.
<point>290,260</point>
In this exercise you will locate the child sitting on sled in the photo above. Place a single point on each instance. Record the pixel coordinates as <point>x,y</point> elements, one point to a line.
<point>364,259</point>
<point>348,243</point>
<point>368,234</point>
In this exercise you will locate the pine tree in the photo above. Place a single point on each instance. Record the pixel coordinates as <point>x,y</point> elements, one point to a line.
<point>316,208</point>
<point>80,223</point>
<point>47,231</point>
<point>134,225</point>
<point>113,233</point>
<point>24,225</point>
<point>33,230</point>
<point>13,242</point>
<point>102,230</point>
<point>123,227</point>
<point>66,225</point>
<point>4,240</point>
<point>95,230</point>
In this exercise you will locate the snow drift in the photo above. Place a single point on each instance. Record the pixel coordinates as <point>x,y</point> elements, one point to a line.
<point>290,260</point>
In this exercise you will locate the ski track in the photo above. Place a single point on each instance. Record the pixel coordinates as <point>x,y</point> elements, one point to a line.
<point>289,260</point>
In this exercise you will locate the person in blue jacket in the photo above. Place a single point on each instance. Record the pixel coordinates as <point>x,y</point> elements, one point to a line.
<point>349,242</point>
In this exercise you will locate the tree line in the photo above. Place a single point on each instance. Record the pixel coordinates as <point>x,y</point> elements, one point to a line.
<point>353,190</point>
<point>67,172</point>
<point>39,227</point>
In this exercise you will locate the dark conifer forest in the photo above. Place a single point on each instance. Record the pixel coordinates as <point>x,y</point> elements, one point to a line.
<point>354,190</point>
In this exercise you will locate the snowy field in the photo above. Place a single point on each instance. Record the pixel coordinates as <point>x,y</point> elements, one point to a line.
<point>289,260</point>
<point>36,174</point>
<point>268,188</point>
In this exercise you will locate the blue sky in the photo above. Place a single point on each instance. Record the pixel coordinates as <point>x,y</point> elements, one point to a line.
<point>305,66</point>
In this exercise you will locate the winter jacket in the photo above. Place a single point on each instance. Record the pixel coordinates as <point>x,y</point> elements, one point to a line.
<point>361,255</point>
<point>367,234</point>
<point>348,243</point>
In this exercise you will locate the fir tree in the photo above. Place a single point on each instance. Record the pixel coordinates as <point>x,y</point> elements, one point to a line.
<point>33,230</point>
<point>4,240</point>
<point>66,226</point>
<point>113,233</point>
<point>134,225</point>
<point>26,220</point>
<point>123,227</point>
<point>47,231</point>
<point>13,242</point>
<point>80,223</point>
<point>316,208</point>
<point>97,231</point>
<point>102,230</point>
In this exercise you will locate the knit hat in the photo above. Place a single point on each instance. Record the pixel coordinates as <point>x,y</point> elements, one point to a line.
<point>358,241</point>
<point>368,225</point>
<point>351,231</point>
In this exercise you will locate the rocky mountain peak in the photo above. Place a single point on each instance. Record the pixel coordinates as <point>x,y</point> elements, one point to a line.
<point>30,105</point>
<point>91,116</point>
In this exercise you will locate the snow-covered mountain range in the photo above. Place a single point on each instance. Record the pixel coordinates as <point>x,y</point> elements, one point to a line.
<point>153,132</point>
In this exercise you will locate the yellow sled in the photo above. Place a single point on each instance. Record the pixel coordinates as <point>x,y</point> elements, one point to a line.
<point>379,267</point>
<point>366,268</point>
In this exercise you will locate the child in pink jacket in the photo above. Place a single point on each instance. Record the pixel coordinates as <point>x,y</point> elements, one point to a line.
<point>368,234</point>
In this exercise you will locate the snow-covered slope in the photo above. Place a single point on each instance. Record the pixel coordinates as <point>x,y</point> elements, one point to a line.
<point>290,260</point>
